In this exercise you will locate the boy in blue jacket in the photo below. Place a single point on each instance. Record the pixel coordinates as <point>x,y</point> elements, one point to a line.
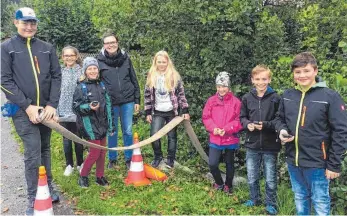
<point>312,122</point>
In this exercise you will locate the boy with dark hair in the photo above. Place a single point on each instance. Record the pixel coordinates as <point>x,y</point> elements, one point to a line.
<point>312,122</point>
<point>258,110</point>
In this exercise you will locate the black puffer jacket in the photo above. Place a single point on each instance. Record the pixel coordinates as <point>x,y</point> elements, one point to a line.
<point>261,109</point>
<point>118,74</point>
<point>93,125</point>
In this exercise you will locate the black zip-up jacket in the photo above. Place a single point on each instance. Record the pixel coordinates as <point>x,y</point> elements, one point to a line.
<point>318,120</point>
<point>30,72</point>
<point>261,109</point>
<point>120,80</point>
<point>93,125</point>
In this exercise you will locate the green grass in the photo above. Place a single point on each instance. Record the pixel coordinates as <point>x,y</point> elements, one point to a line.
<point>182,193</point>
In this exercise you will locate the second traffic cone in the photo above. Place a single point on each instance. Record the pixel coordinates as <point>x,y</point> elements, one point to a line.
<point>43,200</point>
<point>136,175</point>
<point>153,173</point>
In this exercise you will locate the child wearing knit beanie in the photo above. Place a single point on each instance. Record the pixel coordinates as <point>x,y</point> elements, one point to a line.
<point>92,106</point>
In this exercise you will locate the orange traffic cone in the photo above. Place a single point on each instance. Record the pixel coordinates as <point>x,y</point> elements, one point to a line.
<point>43,200</point>
<point>136,174</point>
<point>153,173</point>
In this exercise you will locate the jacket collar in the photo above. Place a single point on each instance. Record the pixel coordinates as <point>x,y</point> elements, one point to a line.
<point>23,39</point>
<point>268,91</point>
<point>320,83</point>
<point>227,96</point>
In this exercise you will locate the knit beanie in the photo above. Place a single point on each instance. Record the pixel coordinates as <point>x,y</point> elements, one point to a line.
<point>223,79</point>
<point>88,61</point>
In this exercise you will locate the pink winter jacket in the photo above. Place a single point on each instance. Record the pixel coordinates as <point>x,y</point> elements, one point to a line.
<point>223,114</point>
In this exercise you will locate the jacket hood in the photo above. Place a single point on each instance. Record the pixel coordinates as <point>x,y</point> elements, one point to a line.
<point>269,90</point>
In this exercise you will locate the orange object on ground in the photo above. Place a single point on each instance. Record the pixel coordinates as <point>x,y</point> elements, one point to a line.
<point>153,173</point>
<point>43,200</point>
<point>136,175</point>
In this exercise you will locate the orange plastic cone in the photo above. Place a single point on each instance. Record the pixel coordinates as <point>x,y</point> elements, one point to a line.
<point>136,174</point>
<point>43,200</point>
<point>153,173</point>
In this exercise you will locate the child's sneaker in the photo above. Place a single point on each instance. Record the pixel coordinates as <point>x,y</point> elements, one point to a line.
<point>83,181</point>
<point>68,170</point>
<point>79,168</point>
<point>155,163</point>
<point>102,181</point>
<point>271,210</point>
<point>170,162</point>
<point>250,203</point>
<point>227,190</point>
<point>112,164</point>
<point>218,187</point>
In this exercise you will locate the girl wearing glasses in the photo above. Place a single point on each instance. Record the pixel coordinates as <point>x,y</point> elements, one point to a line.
<point>71,72</point>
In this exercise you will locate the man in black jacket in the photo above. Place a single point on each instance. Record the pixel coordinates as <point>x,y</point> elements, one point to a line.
<point>312,122</point>
<point>31,79</point>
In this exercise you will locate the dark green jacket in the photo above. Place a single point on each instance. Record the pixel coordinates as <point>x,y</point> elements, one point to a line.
<point>93,125</point>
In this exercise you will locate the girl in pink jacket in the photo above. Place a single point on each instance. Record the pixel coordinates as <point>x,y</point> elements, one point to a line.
<point>221,117</point>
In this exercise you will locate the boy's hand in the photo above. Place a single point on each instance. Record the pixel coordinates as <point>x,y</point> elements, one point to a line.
<point>258,126</point>
<point>285,137</point>
<point>33,113</point>
<point>48,113</point>
<point>331,175</point>
<point>250,126</point>
<point>149,118</point>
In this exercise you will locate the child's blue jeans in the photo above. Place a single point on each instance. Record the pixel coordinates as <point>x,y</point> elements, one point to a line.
<point>310,187</point>
<point>254,159</point>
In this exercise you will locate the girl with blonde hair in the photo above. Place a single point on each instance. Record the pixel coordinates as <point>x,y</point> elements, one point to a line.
<point>164,99</point>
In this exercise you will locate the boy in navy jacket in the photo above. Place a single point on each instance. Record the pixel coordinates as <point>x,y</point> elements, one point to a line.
<point>312,122</point>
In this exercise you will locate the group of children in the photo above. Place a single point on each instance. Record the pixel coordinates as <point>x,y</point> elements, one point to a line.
<point>310,120</point>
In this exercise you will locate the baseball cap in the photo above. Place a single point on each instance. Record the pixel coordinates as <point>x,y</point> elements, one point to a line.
<point>25,13</point>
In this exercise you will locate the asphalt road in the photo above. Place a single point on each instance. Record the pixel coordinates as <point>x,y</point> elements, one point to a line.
<point>12,183</point>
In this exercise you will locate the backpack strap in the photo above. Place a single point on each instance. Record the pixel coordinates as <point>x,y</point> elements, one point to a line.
<point>84,90</point>
<point>102,85</point>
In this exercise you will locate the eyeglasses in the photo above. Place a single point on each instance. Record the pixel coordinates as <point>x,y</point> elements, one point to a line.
<point>68,56</point>
<point>29,23</point>
<point>111,43</point>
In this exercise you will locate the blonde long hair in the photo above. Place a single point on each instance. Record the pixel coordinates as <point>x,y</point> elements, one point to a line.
<point>171,75</point>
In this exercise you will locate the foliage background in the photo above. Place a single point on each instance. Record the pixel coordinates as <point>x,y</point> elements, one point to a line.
<point>203,38</point>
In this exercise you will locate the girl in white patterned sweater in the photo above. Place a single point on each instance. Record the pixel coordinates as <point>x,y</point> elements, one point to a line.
<point>71,72</point>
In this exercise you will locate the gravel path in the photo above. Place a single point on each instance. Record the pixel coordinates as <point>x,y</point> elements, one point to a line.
<point>12,183</point>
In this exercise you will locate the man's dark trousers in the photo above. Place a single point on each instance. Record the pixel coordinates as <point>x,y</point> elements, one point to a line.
<point>34,136</point>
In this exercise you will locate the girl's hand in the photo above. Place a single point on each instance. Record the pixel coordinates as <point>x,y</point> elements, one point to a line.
<point>250,126</point>
<point>216,131</point>
<point>95,108</point>
<point>221,132</point>
<point>186,116</point>
<point>149,119</point>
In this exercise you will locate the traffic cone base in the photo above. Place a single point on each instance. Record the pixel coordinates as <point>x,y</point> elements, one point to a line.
<point>136,175</point>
